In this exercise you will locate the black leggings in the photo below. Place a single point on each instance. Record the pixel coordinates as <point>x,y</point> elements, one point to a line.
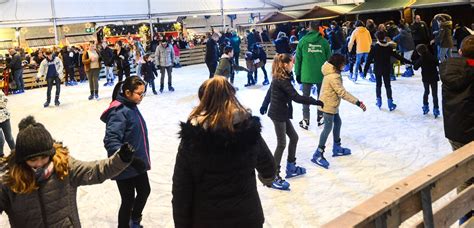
<point>212,68</point>
<point>434,92</point>
<point>132,207</point>
<point>386,81</point>
<point>122,71</point>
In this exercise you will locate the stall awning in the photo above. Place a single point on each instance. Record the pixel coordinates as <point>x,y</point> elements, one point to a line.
<point>319,13</point>
<point>377,6</point>
<point>5,45</point>
<point>279,17</point>
<point>342,9</point>
<point>78,39</point>
<point>40,42</point>
<point>437,3</point>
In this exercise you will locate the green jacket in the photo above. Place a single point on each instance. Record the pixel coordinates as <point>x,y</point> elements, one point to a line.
<point>312,51</point>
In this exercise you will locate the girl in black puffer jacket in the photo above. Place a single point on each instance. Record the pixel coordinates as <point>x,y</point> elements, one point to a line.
<point>279,96</point>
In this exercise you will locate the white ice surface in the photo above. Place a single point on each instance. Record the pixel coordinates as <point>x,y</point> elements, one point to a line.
<point>386,146</point>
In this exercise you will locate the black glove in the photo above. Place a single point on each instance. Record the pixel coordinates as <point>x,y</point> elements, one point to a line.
<point>126,152</point>
<point>317,102</point>
<point>298,79</point>
<point>138,164</point>
<point>263,110</point>
<point>361,105</point>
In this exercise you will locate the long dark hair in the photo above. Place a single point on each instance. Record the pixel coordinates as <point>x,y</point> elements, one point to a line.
<point>130,84</point>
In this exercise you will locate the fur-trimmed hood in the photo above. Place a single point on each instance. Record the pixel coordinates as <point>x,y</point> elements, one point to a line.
<point>203,140</point>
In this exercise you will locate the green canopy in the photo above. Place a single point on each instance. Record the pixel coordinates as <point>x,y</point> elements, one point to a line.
<point>437,3</point>
<point>377,6</point>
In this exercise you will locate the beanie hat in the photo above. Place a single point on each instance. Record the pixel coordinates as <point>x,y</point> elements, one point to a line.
<point>33,140</point>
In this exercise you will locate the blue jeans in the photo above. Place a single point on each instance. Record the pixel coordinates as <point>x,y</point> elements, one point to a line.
<point>109,73</point>
<point>7,135</point>
<point>330,120</point>
<point>18,76</point>
<point>359,57</point>
<point>443,52</point>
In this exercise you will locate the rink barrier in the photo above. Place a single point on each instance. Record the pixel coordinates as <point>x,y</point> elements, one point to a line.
<point>416,194</point>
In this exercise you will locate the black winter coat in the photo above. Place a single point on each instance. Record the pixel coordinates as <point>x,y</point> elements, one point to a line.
<point>15,63</point>
<point>336,38</point>
<point>420,32</point>
<point>149,71</point>
<point>107,56</point>
<point>214,182</point>
<point>68,61</point>
<point>212,51</point>
<point>380,54</point>
<point>429,68</point>
<point>457,75</point>
<point>122,63</point>
<point>279,96</point>
<point>282,45</point>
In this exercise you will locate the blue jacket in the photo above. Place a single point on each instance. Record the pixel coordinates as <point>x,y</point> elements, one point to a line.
<point>405,41</point>
<point>124,123</point>
<point>235,41</point>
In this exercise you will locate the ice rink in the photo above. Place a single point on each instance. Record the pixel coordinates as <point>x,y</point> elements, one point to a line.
<point>386,147</point>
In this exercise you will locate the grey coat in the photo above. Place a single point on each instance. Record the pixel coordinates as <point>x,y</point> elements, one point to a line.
<point>54,205</point>
<point>164,57</point>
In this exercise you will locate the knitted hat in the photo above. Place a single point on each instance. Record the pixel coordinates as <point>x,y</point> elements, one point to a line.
<point>32,140</point>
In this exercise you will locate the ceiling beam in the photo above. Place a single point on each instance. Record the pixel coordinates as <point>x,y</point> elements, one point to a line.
<point>273,4</point>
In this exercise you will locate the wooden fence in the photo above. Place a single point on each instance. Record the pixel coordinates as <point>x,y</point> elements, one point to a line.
<point>416,193</point>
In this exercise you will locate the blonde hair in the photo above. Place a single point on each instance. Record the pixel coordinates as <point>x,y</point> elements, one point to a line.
<point>218,105</point>
<point>20,178</point>
<point>279,70</point>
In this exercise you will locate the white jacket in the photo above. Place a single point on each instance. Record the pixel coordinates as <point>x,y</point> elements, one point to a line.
<point>43,69</point>
<point>4,114</point>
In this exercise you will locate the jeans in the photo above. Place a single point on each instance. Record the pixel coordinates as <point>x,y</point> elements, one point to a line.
<point>434,91</point>
<point>282,129</point>
<point>386,81</point>
<point>359,58</point>
<point>443,52</point>
<point>138,70</point>
<point>70,74</point>
<point>94,80</point>
<point>307,92</point>
<point>236,58</point>
<point>50,81</point>
<point>109,73</point>
<point>212,68</point>
<point>407,55</point>
<point>7,135</point>
<point>168,69</point>
<point>330,121</point>
<point>132,207</point>
<point>18,76</point>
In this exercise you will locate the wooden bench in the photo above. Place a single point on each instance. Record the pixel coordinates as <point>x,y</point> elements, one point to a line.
<point>416,193</point>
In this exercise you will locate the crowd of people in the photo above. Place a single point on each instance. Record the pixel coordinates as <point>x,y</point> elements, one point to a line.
<point>214,179</point>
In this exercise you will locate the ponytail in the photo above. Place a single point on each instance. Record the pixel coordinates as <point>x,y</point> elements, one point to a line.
<point>116,90</point>
<point>130,84</point>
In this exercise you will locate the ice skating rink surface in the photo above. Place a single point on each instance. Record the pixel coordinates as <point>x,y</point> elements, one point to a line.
<point>386,147</point>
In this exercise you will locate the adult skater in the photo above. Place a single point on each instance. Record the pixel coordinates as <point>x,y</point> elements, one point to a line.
<point>107,55</point>
<point>312,51</point>
<point>164,57</point>
<point>39,185</point>
<point>279,96</point>
<point>92,65</point>
<point>6,133</point>
<point>121,56</point>
<point>52,68</point>
<point>212,54</point>
<point>457,75</point>
<point>332,92</point>
<point>214,175</point>
<point>380,55</point>
<point>125,124</point>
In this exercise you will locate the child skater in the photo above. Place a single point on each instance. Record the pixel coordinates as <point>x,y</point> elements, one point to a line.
<point>429,76</point>
<point>39,185</point>
<point>149,72</point>
<point>380,55</point>
<point>251,67</point>
<point>227,66</point>
<point>126,124</point>
<point>332,91</point>
<point>279,96</point>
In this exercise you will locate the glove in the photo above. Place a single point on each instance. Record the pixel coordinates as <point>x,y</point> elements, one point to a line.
<point>138,164</point>
<point>298,79</point>
<point>361,105</point>
<point>263,110</point>
<point>317,102</point>
<point>126,152</point>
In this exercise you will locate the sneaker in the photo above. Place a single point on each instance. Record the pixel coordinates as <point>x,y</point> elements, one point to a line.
<point>293,171</point>
<point>319,159</point>
<point>304,124</point>
<point>280,184</point>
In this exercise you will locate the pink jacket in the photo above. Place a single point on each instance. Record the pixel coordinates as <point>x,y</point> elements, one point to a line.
<point>176,50</point>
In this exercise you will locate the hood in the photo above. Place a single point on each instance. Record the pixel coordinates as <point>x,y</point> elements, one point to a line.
<point>313,36</point>
<point>225,56</point>
<point>447,24</point>
<point>361,30</point>
<point>281,34</point>
<point>119,102</point>
<point>328,68</point>
<point>246,134</point>
<point>383,44</point>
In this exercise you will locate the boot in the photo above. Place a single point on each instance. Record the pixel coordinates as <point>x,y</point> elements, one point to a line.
<point>425,109</point>
<point>136,223</point>
<point>161,88</point>
<point>293,171</point>
<point>372,78</point>
<point>304,124</point>
<point>56,100</point>
<point>170,88</point>
<point>96,94</point>
<point>280,184</point>
<point>379,102</point>
<point>436,112</point>
<point>107,83</point>
<point>338,150</point>
<point>265,82</point>
<point>392,77</point>
<point>318,158</point>
<point>91,96</point>
<point>46,104</point>
<point>391,105</point>
<point>408,72</point>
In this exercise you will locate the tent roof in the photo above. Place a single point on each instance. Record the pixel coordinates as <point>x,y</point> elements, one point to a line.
<point>437,3</point>
<point>279,17</point>
<point>377,6</point>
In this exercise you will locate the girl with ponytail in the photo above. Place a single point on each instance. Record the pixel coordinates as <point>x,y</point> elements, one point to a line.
<point>279,97</point>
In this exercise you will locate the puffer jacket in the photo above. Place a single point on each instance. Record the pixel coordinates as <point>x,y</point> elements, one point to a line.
<point>457,75</point>
<point>363,39</point>
<point>43,69</point>
<point>124,123</point>
<point>332,90</point>
<point>54,204</point>
<point>4,113</point>
<point>164,56</point>
<point>445,37</point>
<point>214,182</point>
